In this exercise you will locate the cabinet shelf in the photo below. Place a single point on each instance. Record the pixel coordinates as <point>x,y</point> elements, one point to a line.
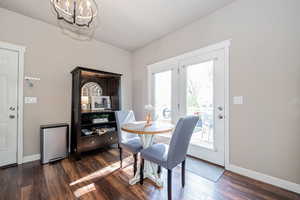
<point>95,111</point>
<point>97,124</point>
<point>97,135</point>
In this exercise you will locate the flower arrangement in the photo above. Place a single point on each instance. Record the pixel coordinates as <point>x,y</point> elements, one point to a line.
<point>149,109</point>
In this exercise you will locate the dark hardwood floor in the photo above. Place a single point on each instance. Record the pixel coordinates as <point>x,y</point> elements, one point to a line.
<point>97,176</point>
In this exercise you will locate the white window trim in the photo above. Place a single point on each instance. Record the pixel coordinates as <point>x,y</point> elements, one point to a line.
<point>21,51</point>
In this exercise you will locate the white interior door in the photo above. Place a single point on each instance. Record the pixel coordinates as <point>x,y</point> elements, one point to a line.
<point>8,106</point>
<point>202,93</point>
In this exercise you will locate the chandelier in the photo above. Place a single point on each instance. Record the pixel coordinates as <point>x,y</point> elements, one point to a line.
<point>79,13</point>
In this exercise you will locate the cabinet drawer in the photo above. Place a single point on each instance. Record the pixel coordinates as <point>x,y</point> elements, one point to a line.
<point>110,138</point>
<point>90,143</point>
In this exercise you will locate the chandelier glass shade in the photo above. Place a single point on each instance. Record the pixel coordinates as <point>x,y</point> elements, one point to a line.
<point>79,13</point>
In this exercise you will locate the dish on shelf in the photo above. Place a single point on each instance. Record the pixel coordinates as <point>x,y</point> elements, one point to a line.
<point>101,131</point>
<point>100,120</point>
<point>86,132</point>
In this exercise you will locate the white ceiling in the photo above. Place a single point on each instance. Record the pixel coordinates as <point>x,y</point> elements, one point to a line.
<point>129,24</point>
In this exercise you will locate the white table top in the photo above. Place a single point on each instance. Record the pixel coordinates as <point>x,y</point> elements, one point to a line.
<point>141,127</point>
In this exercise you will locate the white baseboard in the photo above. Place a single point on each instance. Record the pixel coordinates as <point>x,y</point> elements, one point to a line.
<point>31,158</point>
<point>265,178</point>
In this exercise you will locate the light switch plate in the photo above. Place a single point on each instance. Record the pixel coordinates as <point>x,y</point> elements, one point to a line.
<point>238,100</point>
<point>30,100</point>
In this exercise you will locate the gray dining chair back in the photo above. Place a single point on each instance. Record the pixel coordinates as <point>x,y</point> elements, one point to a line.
<point>123,117</point>
<point>169,156</point>
<point>180,140</point>
<point>129,141</point>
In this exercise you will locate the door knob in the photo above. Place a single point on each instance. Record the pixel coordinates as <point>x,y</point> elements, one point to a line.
<point>11,116</point>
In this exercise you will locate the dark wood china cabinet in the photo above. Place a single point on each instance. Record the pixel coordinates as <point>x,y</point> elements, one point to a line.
<point>96,96</point>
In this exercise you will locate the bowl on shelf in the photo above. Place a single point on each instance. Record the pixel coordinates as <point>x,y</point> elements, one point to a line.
<point>86,132</point>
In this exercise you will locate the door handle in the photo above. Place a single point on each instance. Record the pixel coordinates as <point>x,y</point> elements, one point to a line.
<point>12,116</point>
<point>12,108</point>
<point>220,108</point>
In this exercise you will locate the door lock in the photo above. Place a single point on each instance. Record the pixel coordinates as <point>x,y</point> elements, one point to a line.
<point>11,116</point>
<point>220,116</point>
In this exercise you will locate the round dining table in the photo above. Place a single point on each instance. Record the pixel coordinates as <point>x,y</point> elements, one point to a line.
<point>147,132</point>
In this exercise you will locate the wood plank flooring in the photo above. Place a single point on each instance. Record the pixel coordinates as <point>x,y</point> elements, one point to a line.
<point>97,176</point>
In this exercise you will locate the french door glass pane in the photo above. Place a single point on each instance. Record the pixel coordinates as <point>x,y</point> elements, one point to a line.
<point>162,95</point>
<point>199,101</point>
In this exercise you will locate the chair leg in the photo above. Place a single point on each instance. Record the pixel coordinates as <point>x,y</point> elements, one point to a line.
<point>142,171</point>
<point>121,160</point>
<point>159,169</point>
<point>169,184</point>
<point>183,173</point>
<point>135,163</point>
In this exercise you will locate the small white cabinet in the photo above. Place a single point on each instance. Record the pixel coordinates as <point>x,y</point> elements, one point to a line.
<point>54,142</point>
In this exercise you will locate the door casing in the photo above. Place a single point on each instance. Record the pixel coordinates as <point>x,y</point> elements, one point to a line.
<point>21,52</point>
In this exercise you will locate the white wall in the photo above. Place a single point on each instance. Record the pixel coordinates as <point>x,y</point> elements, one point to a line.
<point>264,68</point>
<point>51,55</point>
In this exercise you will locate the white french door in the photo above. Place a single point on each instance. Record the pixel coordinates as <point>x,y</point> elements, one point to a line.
<point>193,84</point>
<point>8,106</point>
<point>163,93</point>
<point>202,93</point>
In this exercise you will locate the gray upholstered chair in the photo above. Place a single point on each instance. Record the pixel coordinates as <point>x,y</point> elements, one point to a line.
<point>128,141</point>
<point>169,156</point>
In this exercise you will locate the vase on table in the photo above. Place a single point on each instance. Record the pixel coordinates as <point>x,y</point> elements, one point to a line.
<point>149,109</point>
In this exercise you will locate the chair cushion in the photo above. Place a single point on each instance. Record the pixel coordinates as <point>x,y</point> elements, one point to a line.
<point>156,153</point>
<point>134,144</point>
